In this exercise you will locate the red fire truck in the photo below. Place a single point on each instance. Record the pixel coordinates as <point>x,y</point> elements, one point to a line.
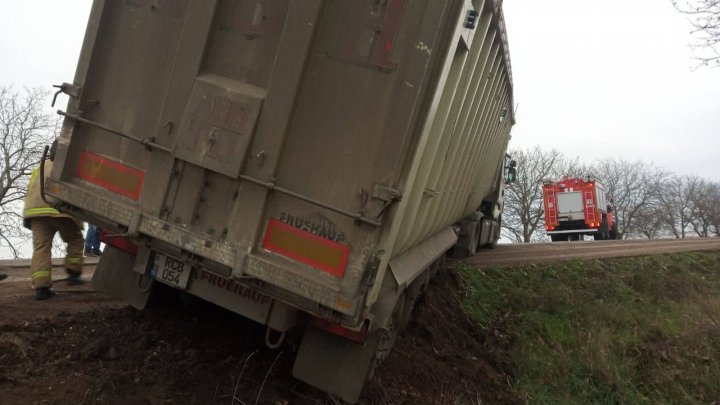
<point>575,207</point>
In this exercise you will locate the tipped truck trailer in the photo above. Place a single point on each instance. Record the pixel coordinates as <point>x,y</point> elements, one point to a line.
<point>575,207</point>
<point>302,163</point>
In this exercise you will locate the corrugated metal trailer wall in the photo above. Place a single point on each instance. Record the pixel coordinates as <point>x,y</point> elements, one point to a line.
<point>457,162</point>
<point>235,99</point>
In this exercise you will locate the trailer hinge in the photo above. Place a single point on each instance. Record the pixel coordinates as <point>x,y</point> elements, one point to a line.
<point>67,88</point>
<point>381,198</point>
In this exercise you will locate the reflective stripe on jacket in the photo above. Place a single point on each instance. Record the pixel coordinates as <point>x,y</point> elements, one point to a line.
<point>34,205</point>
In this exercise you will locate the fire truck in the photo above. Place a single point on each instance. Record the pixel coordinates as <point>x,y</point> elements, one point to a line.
<point>575,207</point>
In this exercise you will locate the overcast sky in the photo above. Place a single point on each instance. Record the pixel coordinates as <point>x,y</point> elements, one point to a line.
<point>613,78</point>
<point>592,79</point>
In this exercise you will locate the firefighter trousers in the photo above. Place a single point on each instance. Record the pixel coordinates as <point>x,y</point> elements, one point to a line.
<point>43,232</point>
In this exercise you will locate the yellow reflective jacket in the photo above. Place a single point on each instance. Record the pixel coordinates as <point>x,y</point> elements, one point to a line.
<point>34,205</point>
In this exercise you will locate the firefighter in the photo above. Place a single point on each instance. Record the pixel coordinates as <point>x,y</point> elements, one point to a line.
<point>44,221</point>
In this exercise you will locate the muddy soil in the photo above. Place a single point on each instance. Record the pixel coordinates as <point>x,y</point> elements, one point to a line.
<point>84,348</point>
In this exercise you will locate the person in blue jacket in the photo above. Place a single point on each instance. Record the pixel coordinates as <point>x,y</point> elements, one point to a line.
<point>92,241</point>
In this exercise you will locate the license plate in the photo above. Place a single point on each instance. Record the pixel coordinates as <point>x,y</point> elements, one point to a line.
<point>170,270</point>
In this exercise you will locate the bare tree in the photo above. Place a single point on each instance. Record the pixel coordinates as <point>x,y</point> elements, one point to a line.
<point>704,15</point>
<point>524,198</point>
<point>24,129</point>
<point>676,201</point>
<point>571,168</point>
<point>650,222</point>
<point>634,186</point>
<point>714,213</point>
<point>715,210</point>
<point>705,207</point>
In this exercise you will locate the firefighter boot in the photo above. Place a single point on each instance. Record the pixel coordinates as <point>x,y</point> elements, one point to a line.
<point>43,293</point>
<point>75,279</point>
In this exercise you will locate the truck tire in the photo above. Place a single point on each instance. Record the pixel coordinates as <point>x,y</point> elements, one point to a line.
<point>388,335</point>
<point>496,235</point>
<point>559,238</point>
<point>467,241</point>
<point>602,233</point>
<point>412,294</point>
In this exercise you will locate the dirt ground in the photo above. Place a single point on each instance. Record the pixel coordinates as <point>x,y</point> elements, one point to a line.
<point>83,348</point>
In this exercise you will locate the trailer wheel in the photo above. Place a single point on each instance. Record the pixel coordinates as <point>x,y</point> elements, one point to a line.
<point>388,335</point>
<point>496,236</point>
<point>412,294</point>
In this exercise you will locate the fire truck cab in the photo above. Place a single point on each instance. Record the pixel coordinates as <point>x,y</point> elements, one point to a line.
<point>575,207</point>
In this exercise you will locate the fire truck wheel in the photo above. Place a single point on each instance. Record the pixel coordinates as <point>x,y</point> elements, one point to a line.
<point>559,238</point>
<point>602,233</point>
<point>614,232</point>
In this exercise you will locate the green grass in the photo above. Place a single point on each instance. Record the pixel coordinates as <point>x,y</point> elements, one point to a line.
<point>642,330</point>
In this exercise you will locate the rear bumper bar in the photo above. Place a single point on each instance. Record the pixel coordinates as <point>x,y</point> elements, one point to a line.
<point>571,231</point>
<point>221,258</point>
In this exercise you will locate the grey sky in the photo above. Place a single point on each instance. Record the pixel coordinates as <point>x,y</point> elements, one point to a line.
<point>592,79</point>
<point>40,40</point>
<point>613,78</point>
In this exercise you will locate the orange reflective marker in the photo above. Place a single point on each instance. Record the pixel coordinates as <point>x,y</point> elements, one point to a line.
<point>305,247</point>
<point>111,175</point>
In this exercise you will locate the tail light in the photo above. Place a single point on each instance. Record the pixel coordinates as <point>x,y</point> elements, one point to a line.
<point>358,336</point>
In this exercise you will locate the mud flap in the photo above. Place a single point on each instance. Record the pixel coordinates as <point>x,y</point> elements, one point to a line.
<point>114,276</point>
<point>335,364</point>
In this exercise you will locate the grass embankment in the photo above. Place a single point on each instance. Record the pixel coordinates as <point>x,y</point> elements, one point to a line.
<point>630,330</point>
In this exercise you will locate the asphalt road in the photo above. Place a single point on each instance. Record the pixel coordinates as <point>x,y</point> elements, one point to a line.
<point>506,255</point>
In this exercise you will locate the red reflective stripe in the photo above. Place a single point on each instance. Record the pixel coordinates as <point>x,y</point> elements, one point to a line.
<point>320,245</point>
<point>111,175</point>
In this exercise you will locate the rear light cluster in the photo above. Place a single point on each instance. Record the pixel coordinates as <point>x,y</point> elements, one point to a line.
<point>549,228</point>
<point>358,336</point>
